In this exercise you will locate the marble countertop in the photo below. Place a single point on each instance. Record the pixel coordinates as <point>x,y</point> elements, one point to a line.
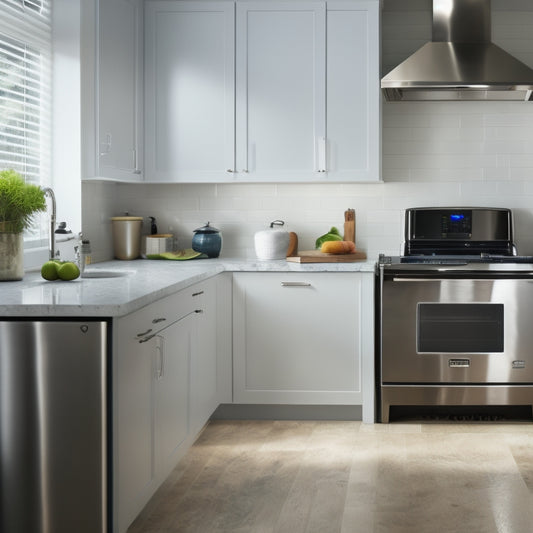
<point>125,286</point>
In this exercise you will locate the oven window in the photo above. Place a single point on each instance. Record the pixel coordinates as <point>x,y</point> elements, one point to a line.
<point>460,328</point>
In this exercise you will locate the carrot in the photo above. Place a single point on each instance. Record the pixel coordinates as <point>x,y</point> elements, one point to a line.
<point>338,247</point>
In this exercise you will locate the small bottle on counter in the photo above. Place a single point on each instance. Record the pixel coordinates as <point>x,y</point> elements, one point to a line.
<point>84,253</point>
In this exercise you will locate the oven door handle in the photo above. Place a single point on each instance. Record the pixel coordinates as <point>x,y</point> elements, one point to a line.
<point>528,277</point>
<point>429,278</point>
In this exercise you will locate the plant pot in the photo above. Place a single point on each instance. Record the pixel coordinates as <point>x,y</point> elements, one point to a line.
<point>11,256</point>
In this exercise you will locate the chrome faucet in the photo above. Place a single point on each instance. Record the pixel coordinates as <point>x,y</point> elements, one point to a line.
<point>52,237</point>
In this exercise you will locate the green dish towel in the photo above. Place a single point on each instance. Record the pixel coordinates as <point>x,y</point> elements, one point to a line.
<point>178,255</point>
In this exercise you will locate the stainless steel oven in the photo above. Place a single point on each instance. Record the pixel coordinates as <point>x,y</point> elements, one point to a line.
<point>455,329</point>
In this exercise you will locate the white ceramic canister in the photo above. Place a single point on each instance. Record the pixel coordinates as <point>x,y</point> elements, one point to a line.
<point>272,243</point>
<point>157,244</point>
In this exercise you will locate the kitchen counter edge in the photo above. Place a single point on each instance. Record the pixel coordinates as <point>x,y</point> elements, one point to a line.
<point>127,286</point>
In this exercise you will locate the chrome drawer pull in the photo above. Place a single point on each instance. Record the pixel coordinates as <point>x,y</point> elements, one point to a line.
<point>295,284</point>
<point>157,320</point>
<point>146,339</point>
<point>199,293</point>
<point>144,333</point>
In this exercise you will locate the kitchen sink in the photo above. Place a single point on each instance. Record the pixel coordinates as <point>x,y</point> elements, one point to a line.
<point>100,273</point>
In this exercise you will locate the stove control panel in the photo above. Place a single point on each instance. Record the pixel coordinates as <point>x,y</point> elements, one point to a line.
<point>458,226</point>
<point>455,224</point>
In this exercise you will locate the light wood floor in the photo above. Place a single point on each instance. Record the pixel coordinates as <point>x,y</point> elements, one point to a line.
<point>329,477</point>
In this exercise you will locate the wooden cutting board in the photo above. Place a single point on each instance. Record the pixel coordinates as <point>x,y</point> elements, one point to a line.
<point>316,256</point>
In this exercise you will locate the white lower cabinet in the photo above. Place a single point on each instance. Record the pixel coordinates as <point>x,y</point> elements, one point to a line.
<point>204,392</point>
<point>165,389</point>
<point>297,338</point>
<point>173,357</point>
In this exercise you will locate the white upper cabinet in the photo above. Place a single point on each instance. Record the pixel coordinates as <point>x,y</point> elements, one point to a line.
<point>189,84</point>
<point>353,94</point>
<point>281,88</point>
<point>258,91</point>
<point>119,90</point>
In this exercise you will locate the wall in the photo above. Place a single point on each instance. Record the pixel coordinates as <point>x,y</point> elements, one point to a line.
<point>465,153</point>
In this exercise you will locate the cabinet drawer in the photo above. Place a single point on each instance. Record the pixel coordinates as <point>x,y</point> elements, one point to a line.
<point>154,317</point>
<point>297,338</point>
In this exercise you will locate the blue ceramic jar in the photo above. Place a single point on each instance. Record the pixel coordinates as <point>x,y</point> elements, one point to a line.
<point>207,240</point>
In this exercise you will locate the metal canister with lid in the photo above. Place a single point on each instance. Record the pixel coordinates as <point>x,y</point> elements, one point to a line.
<point>127,236</point>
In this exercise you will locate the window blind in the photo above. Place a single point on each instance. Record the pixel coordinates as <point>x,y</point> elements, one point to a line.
<point>25,88</point>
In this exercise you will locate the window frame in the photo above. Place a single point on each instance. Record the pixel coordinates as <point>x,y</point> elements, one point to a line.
<point>26,36</point>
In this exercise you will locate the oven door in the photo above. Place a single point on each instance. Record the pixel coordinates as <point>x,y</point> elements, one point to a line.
<point>438,330</point>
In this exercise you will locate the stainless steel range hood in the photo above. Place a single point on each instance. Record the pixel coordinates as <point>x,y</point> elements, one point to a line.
<point>461,62</point>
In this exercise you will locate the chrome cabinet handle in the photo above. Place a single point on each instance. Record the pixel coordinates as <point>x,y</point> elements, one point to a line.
<point>160,347</point>
<point>199,293</point>
<point>136,169</point>
<point>147,338</point>
<point>157,320</point>
<point>230,170</point>
<point>295,284</point>
<point>321,152</point>
<point>144,333</point>
<point>106,145</point>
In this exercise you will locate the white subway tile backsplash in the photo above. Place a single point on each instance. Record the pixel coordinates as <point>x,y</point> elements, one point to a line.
<point>363,190</point>
<point>243,189</point>
<point>523,173</point>
<point>498,174</point>
<point>228,203</point>
<point>477,190</point>
<point>504,147</point>
<point>472,122</point>
<point>444,134</point>
<point>399,133</point>
<point>511,188</point>
<point>288,203</point>
<point>305,189</point>
<point>521,160</point>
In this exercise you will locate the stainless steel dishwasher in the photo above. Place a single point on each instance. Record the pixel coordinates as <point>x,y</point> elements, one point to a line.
<point>53,475</point>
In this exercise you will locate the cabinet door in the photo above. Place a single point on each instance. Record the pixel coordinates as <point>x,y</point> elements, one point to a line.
<point>133,404</point>
<point>204,356</point>
<point>189,86</point>
<point>119,89</point>
<point>173,348</point>
<point>150,399</point>
<point>297,338</point>
<point>353,94</point>
<point>280,73</point>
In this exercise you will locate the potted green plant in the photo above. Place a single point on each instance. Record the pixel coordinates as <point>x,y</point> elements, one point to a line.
<point>19,202</point>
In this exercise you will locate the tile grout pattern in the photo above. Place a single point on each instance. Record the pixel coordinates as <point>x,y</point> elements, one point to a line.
<point>348,477</point>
